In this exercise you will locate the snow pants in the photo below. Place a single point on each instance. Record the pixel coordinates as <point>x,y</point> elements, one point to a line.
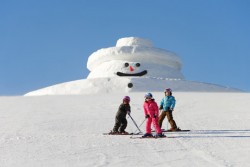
<point>170,119</point>
<point>120,123</point>
<point>151,120</point>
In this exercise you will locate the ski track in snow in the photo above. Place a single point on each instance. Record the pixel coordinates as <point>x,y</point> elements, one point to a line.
<point>201,155</point>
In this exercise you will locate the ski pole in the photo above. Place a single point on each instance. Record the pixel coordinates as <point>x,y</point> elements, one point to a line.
<point>141,124</point>
<point>135,123</point>
<point>139,127</point>
<point>167,125</point>
<point>160,112</point>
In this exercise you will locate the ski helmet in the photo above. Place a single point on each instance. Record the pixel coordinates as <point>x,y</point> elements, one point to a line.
<point>126,98</point>
<point>168,90</point>
<point>148,95</point>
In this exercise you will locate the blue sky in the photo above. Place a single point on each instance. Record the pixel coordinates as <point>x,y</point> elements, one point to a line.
<point>43,43</point>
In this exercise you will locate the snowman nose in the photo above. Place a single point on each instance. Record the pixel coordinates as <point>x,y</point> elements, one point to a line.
<point>131,68</point>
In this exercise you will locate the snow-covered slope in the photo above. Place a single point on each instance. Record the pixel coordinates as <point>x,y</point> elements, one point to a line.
<point>67,131</point>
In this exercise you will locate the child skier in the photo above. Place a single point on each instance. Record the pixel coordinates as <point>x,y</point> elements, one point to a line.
<point>120,119</point>
<point>151,114</point>
<point>167,106</point>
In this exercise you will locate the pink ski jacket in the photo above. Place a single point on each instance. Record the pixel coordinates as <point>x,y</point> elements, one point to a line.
<point>151,108</point>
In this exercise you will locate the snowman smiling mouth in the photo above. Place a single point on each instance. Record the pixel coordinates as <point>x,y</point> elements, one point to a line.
<point>131,69</point>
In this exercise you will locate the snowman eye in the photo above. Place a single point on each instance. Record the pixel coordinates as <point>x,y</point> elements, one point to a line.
<point>126,64</point>
<point>138,64</point>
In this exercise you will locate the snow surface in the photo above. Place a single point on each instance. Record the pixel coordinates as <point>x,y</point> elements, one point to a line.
<point>130,41</point>
<point>66,131</point>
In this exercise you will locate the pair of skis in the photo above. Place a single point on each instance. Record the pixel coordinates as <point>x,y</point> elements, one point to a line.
<point>122,134</point>
<point>135,135</point>
<point>178,130</point>
<point>138,128</point>
<point>158,137</point>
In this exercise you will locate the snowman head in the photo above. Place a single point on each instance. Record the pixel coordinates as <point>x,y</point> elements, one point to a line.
<point>133,57</point>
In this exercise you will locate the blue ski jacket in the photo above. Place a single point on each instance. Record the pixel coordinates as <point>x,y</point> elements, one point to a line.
<point>167,102</point>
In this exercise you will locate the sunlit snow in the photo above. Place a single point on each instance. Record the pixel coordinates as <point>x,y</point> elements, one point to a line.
<point>67,131</point>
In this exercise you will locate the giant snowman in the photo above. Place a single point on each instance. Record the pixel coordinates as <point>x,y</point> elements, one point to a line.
<point>133,65</point>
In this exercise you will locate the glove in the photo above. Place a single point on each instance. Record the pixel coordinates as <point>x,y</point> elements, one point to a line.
<point>147,116</point>
<point>128,112</point>
<point>161,107</point>
<point>171,109</point>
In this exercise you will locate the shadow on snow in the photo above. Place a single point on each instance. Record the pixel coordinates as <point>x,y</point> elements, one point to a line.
<point>211,134</point>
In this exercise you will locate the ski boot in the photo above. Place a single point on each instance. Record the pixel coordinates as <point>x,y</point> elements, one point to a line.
<point>174,129</point>
<point>147,135</point>
<point>158,135</point>
<point>113,132</point>
<point>123,132</point>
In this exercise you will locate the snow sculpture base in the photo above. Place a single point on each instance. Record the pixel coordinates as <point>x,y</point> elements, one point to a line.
<point>121,85</point>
